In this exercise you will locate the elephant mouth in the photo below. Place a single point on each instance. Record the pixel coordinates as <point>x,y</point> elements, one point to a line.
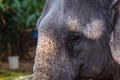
<point>89,71</point>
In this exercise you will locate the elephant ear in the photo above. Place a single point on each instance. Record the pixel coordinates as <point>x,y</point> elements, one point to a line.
<point>115,34</point>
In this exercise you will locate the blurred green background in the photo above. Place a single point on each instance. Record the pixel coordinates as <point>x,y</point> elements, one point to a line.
<point>18,34</point>
<point>17,21</point>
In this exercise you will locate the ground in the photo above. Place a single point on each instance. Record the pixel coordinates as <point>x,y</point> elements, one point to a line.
<point>25,70</point>
<point>24,66</point>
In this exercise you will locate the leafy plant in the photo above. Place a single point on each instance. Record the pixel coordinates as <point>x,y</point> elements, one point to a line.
<point>16,16</point>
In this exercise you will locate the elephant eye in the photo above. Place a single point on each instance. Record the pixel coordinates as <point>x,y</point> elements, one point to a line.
<point>73,38</point>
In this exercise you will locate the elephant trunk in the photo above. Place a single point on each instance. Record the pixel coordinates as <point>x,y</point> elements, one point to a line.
<point>51,62</point>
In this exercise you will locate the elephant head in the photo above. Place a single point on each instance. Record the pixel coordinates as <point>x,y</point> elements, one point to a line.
<point>76,38</point>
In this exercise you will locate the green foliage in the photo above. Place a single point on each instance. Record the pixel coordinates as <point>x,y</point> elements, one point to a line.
<point>16,16</point>
<point>24,8</point>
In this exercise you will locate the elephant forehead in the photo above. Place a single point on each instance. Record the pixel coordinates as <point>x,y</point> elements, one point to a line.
<point>94,29</point>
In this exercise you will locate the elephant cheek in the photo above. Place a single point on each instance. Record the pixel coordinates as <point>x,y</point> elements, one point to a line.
<point>89,71</point>
<point>51,62</point>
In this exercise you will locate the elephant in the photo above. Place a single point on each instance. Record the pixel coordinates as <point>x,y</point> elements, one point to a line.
<point>78,40</point>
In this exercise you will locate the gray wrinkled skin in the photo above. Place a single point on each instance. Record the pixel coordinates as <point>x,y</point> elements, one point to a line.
<point>77,41</point>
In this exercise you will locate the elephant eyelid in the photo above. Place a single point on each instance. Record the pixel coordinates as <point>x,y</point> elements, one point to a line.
<point>73,37</point>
